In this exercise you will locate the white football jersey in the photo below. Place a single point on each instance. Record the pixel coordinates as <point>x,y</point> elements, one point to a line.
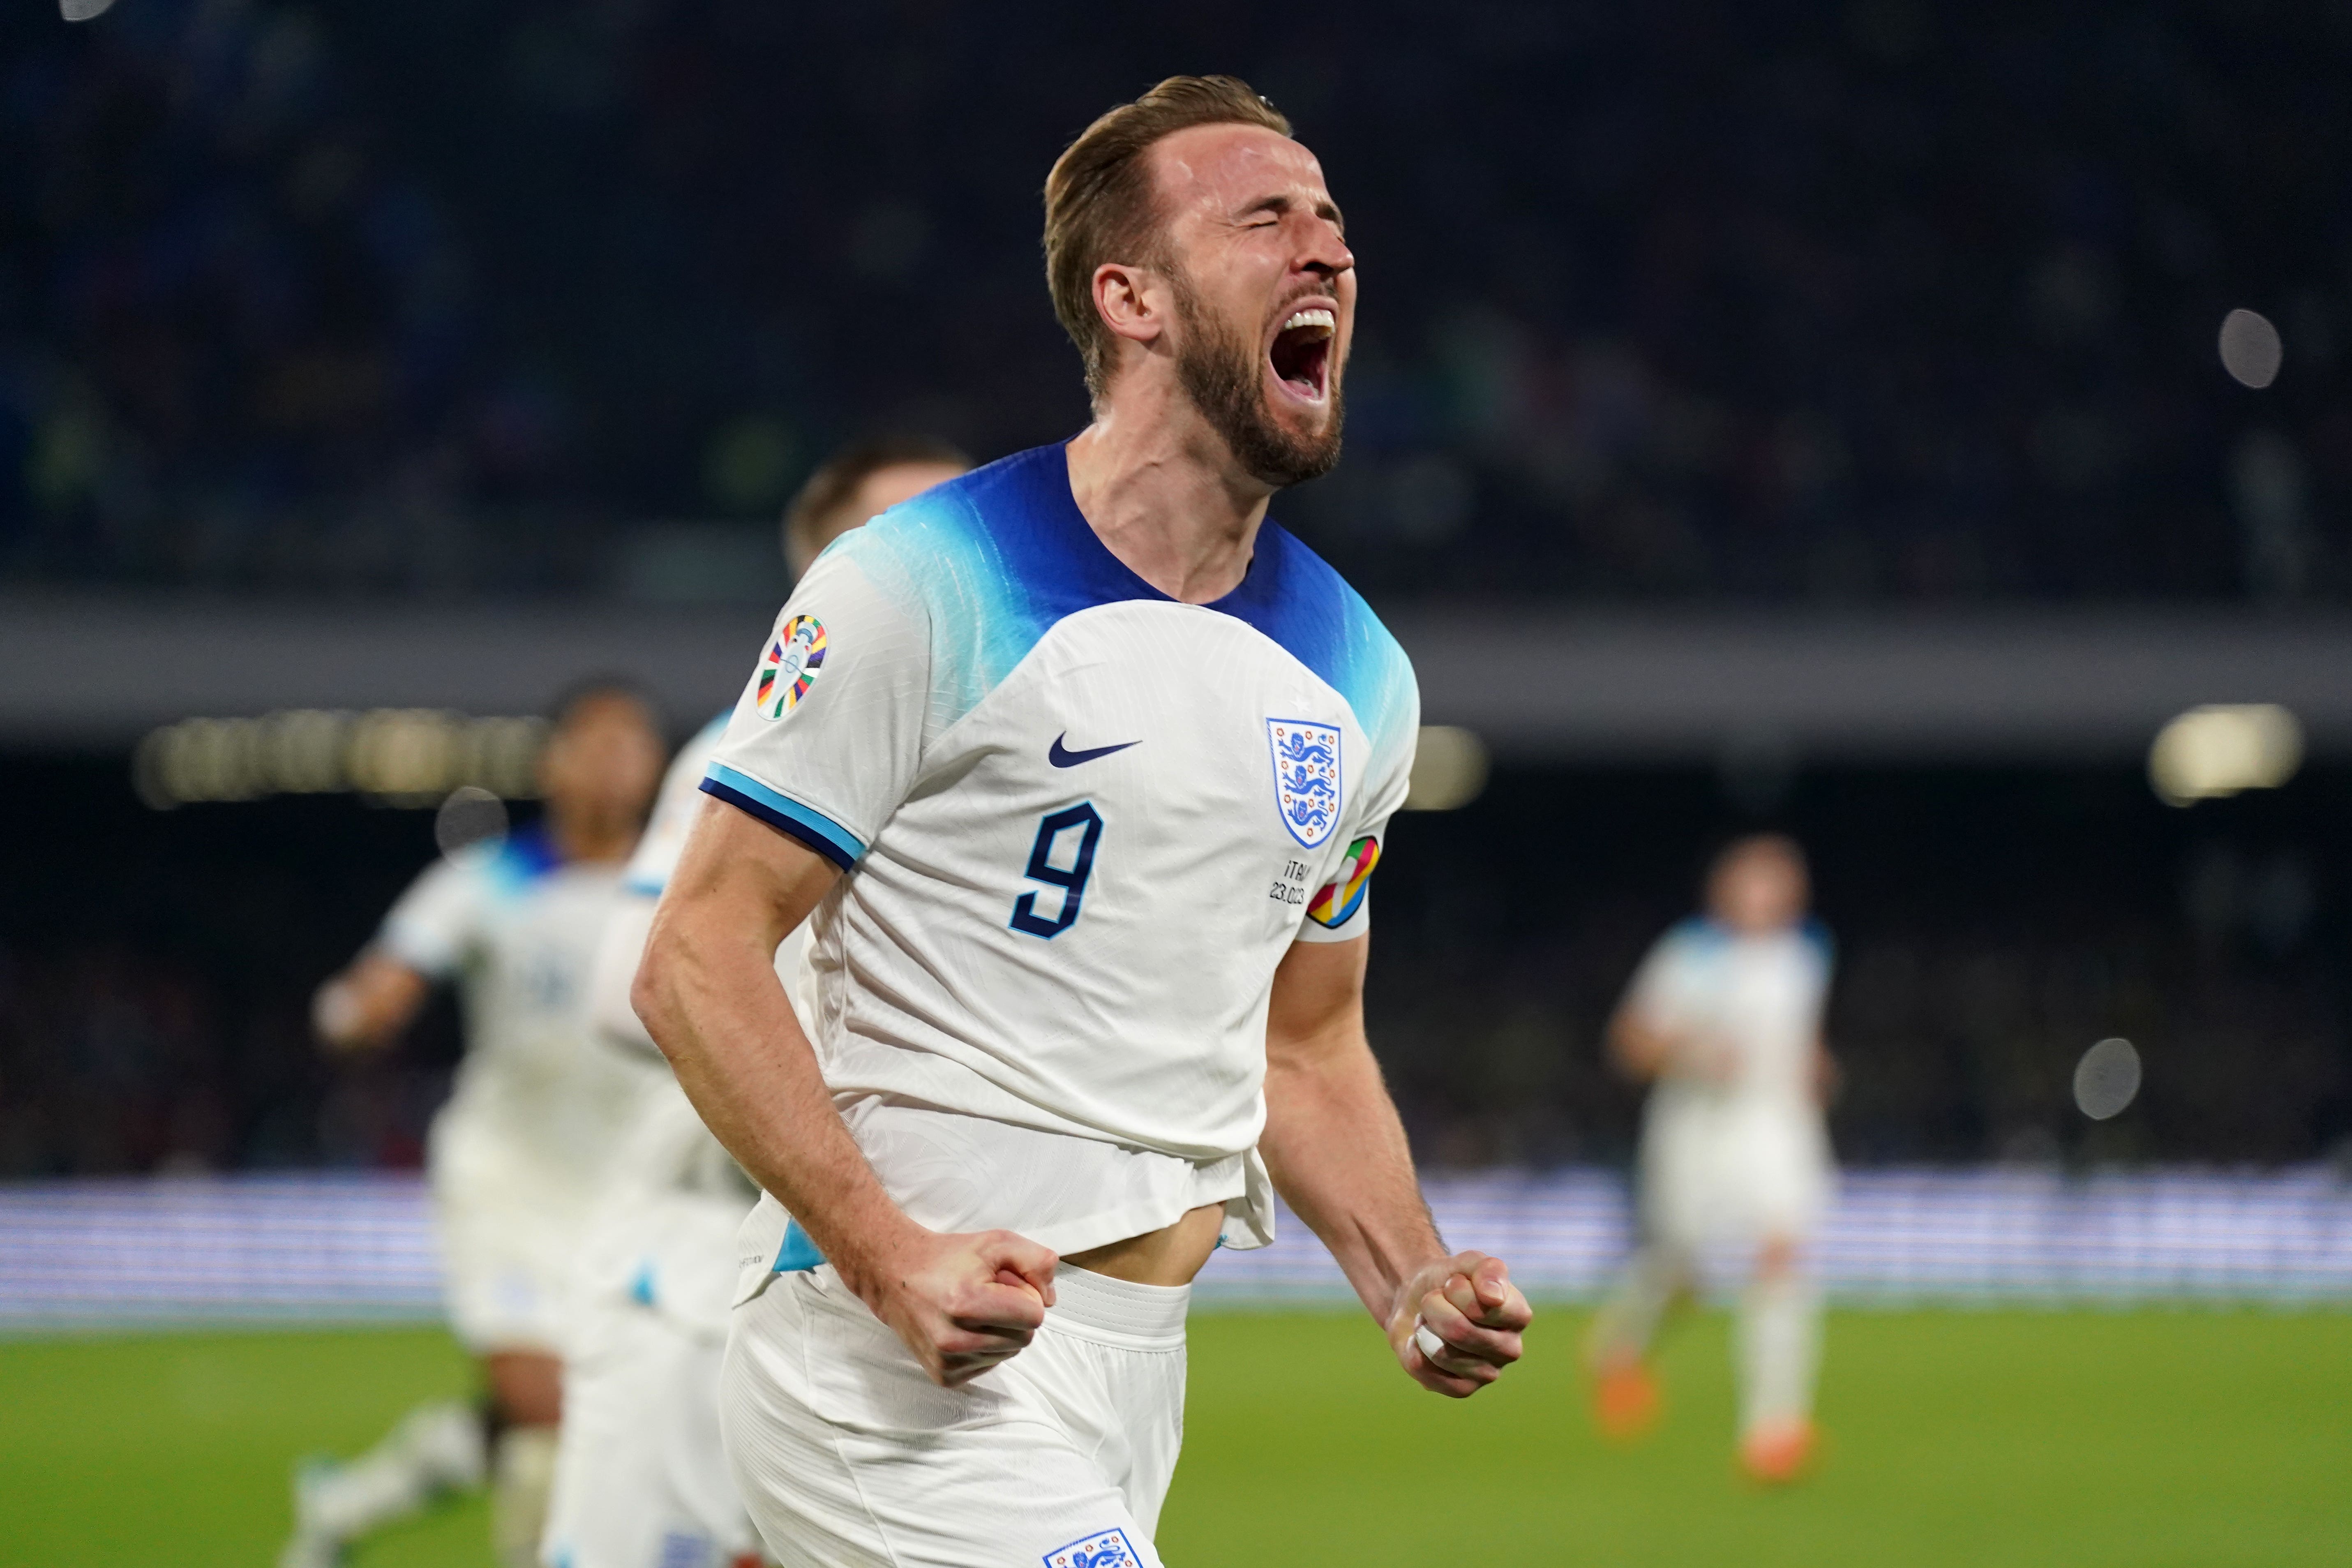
<point>1081,823</point>
<point>667,1217</point>
<point>537,1104</point>
<point>1760,996</point>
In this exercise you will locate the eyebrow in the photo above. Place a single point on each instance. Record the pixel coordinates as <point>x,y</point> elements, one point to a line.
<point>1324,208</point>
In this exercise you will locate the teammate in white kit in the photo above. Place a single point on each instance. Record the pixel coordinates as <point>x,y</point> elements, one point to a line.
<point>640,1478</point>
<point>1724,1016</point>
<point>1083,766</point>
<point>527,1135</point>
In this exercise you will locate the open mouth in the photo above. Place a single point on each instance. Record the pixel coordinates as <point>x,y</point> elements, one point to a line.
<point>1301,354</point>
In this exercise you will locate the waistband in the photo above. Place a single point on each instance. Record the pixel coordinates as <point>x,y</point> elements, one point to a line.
<point>1118,1311</point>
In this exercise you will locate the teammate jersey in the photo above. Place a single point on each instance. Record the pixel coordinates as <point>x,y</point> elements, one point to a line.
<point>1760,996</point>
<point>1081,823</point>
<point>537,1104</point>
<point>667,1217</point>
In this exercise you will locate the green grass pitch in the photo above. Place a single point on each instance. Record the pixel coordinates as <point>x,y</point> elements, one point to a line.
<point>2151,1439</point>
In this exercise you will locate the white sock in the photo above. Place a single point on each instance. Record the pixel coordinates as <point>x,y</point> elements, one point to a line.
<point>1627,1322</point>
<point>522,1473</point>
<point>1779,1349</point>
<point>434,1448</point>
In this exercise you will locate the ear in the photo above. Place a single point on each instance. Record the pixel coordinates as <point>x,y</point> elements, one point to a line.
<point>1133,301</point>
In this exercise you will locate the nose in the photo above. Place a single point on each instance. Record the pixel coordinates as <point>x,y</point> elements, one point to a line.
<point>1326,253</point>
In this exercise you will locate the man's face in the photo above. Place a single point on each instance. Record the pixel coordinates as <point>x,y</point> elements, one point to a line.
<point>1758,889</point>
<point>1264,293</point>
<point>887,487</point>
<point>604,760</point>
<point>876,494</point>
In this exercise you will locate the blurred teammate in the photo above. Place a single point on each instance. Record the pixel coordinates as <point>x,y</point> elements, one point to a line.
<point>1082,765</point>
<point>641,1480</point>
<point>527,1136</point>
<point>1725,1017</point>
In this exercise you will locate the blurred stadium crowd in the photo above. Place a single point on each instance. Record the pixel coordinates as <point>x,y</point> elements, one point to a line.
<point>1850,302</point>
<point>155,969</point>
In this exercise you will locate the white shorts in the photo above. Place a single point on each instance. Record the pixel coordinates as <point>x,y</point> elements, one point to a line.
<point>641,1479</point>
<point>511,1233</point>
<point>849,1457</point>
<point>1732,1171</point>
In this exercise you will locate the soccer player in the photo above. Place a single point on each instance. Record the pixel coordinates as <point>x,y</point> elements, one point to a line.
<point>640,1478</point>
<point>526,1134</point>
<point>1083,765</point>
<point>1724,1018</point>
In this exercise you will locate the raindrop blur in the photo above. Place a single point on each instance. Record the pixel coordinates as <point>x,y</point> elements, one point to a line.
<point>2251,349</point>
<point>470,816</point>
<point>2106,1078</point>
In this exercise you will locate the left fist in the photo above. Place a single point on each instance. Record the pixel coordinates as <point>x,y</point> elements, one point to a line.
<point>1468,1302</point>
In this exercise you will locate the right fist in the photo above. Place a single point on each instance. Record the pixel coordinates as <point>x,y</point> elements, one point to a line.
<point>963,1303</point>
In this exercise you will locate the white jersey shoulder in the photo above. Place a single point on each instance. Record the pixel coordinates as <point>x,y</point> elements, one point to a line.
<point>1082,821</point>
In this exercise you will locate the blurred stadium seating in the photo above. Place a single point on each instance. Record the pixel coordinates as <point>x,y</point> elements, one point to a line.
<point>1777,301</point>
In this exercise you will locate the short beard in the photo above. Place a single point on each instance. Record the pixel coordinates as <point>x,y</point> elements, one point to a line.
<point>1222,373</point>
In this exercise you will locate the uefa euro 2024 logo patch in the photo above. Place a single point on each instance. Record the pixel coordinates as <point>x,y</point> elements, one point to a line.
<point>790,667</point>
<point>1306,777</point>
<point>1105,1548</point>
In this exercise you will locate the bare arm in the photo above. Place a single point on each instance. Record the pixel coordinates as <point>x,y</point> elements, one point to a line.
<point>707,992</point>
<point>366,1006</point>
<point>1639,1050</point>
<point>1829,1078</point>
<point>614,971</point>
<point>1337,1151</point>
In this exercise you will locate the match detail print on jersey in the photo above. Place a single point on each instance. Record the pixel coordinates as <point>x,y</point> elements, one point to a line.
<point>791,665</point>
<point>1306,777</point>
<point>1338,900</point>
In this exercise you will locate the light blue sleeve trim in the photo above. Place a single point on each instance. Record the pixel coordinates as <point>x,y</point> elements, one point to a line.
<point>846,847</point>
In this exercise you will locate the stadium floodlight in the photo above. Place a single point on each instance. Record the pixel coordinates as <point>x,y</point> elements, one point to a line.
<point>404,757</point>
<point>2251,349</point>
<point>1449,769</point>
<point>83,10</point>
<point>2222,749</point>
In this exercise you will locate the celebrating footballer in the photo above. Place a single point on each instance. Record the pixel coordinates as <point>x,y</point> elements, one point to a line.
<point>1079,766</point>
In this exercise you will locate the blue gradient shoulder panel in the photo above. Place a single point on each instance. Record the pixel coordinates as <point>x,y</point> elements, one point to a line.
<point>996,557</point>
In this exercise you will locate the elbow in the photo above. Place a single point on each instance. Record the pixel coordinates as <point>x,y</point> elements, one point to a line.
<point>652,992</point>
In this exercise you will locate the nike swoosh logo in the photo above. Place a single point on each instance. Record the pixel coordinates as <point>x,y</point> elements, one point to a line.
<point>1062,757</point>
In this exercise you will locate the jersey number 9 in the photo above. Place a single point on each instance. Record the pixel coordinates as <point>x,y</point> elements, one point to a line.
<point>1072,881</point>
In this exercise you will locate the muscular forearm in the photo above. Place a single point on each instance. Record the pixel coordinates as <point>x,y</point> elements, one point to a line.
<point>1338,1153</point>
<point>707,992</point>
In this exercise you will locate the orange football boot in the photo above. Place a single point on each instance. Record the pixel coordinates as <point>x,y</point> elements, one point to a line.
<point>1625,1401</point>
<point>1779,1453</point>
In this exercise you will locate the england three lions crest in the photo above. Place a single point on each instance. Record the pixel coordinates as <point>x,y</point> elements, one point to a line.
<point>1306,777</point>
<point>1109,1548</point>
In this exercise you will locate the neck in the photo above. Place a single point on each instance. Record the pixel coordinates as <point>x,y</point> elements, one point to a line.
<point>1162,492</point>
<point>589,839</point>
